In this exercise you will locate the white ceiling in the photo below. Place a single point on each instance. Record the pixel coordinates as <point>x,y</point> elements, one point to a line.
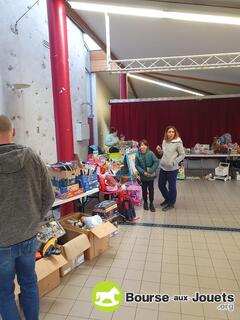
<point>137,37</point>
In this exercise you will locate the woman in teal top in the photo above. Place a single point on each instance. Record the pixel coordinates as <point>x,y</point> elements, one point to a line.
<point>112,140</point>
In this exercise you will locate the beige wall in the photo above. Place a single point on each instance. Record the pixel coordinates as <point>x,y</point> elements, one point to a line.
<point>103,95</point>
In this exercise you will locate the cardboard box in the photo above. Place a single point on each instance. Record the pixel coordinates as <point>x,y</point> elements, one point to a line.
<point>48,274</point>
<point>60,194</point>
<point>72,265</point>
<point>98,236</point>
<point>73,246</point>
<point>47,270</point>
<point>64,174</point>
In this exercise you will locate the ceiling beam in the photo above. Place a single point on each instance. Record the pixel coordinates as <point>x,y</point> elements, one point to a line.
<point>176,84</point>
<point>195,79</point>
<point>81,24</point>
<point>206,3</point>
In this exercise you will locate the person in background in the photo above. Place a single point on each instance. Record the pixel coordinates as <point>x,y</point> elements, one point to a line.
<point>172,153</point>
<point>122,137</point>
<point>112,140</point>
<point>146,164</point>
<point>26,196</point>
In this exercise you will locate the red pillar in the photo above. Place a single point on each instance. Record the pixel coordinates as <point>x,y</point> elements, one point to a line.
<point>123,86</point>
<point>90,123</point>
<point>57,24</point>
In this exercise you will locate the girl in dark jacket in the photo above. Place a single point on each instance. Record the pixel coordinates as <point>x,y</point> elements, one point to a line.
<point>146,164</point>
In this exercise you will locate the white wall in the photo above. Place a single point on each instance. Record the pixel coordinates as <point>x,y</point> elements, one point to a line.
<point>94,104</point>
<point>78,78</point>
<point>2,103</point>
<point>24,59</point>
<point>101,100</point>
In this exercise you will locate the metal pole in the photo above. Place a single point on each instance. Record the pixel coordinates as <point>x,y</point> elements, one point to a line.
<point>108,47</point>
<point>123,86</point>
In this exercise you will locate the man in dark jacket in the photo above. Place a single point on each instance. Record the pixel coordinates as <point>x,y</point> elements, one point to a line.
<point>25,198</point>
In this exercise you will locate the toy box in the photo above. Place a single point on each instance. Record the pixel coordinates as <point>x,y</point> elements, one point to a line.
<point>98,236</point>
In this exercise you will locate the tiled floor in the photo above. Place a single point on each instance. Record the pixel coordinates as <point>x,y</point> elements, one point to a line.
<point>153,260</point>
<point>201,203</point>
<point>150,259</point>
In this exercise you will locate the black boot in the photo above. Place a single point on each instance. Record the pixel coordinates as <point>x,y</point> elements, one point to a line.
<point>164,203</point>
<point>168,207</point>
<point>145,205</point>
<point>152,207</point>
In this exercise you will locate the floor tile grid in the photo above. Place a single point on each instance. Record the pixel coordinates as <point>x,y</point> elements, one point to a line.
<point>236,270</point>
<point>114,244</point>
<point>209,249</point>
<point>183,311</point>
<point>106,277</point>
<point>72,301</point>
<point>201,203</point>
<point>163,242</point>
<point>211,241</point>
<point>184,317</point>
<point>91,263</point>
<point>166,238</point>
<point>140,308</point>
<point>136,233</point>
<point>202,242</point>
<point>225,257</point>
<point>138,237</point>
<point>231,243</point>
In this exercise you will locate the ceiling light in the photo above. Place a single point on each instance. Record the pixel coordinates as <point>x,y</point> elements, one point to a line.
<point>153,13</point>
<point>165,84</point>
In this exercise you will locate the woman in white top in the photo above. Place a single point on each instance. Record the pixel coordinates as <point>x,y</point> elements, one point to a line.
<point>172,153</point>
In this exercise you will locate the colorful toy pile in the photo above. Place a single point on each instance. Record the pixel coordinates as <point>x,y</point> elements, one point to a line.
<point>70,179</point>
<point>224,144</point>
<point>220,145</point>
<point>64,179</point>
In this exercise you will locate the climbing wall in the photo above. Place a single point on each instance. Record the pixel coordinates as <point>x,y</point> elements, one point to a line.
<point>25,60</point>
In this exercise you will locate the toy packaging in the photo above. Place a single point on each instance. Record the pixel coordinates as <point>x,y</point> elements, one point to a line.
<point>134,191</point>
<point>51,228</point>
<point>70,179</point>
<point>88,182</point>
<point>181,172</point>
<point>106,209</point>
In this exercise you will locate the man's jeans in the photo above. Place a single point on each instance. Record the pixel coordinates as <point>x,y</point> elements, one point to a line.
<point>19,260</point>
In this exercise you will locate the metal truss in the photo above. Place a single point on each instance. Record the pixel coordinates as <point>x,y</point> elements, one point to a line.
<point>177,63</point>
<point>194,62</point>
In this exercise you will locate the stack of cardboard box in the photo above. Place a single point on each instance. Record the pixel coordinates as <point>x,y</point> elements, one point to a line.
<point>77,245</point>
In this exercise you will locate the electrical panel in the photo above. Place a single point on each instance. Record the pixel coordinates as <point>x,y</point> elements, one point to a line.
<point>82,131</point>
